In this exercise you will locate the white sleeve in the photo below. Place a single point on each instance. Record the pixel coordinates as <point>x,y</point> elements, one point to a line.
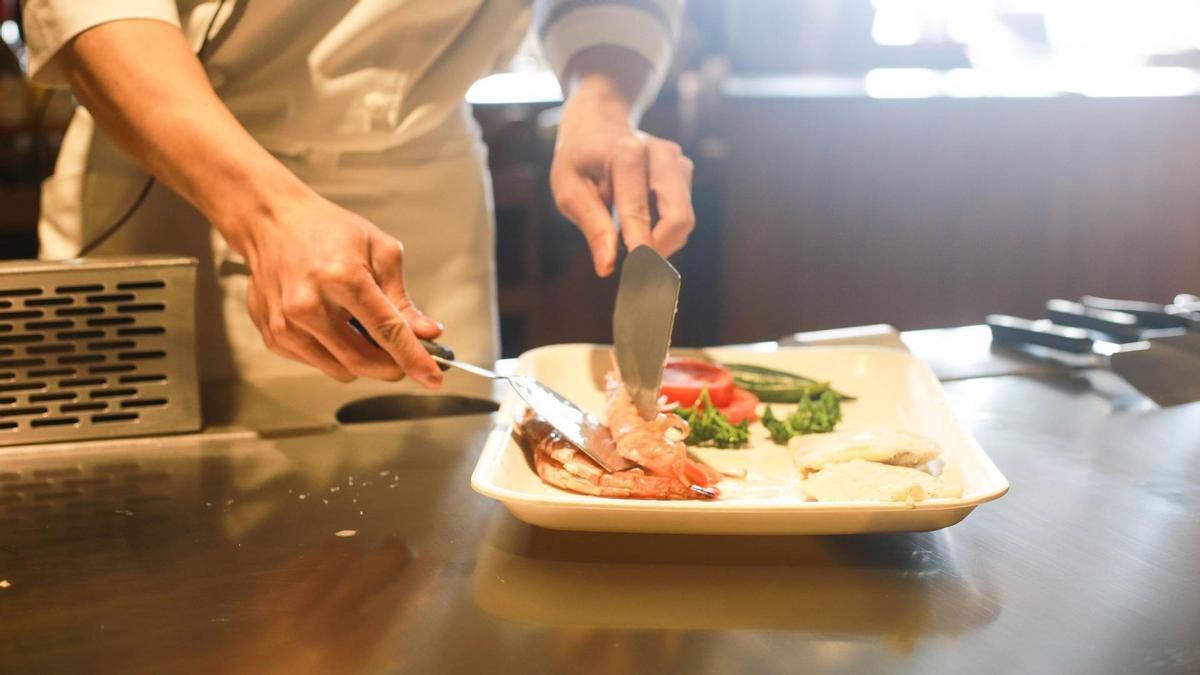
<point>648,27</point>
<point>50,24</point>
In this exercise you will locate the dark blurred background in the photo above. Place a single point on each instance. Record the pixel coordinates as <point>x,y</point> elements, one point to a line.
<point>916,162</point>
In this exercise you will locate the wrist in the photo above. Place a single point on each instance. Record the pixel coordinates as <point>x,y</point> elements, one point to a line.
<point>598,98</point>
<point>255,202</point>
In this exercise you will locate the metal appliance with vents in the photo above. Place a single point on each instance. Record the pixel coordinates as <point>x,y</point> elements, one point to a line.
<point>97,348</point>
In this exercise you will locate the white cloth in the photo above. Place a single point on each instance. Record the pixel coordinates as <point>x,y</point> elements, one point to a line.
<point>363,99</point>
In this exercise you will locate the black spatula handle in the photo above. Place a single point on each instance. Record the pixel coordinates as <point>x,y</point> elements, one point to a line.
<point>1148,314</point>
<point>1120,326</point>
<point>1015,330</point>
<point>432,348</point>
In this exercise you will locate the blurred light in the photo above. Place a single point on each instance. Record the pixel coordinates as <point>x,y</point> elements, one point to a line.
<point>540,87</point>
<point>903,83</point>
<point>1131,82</point>
<point>10,33</point>
<point>1000,83</point>
<point>897,23</point>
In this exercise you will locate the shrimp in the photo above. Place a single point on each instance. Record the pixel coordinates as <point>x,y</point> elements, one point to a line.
<point>561,464</point>
<point>649,443</point>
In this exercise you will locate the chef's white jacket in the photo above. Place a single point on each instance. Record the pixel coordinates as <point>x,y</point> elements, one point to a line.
<point>364,101</point>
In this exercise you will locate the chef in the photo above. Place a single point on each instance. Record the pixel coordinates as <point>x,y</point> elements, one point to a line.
<point>328,145</point>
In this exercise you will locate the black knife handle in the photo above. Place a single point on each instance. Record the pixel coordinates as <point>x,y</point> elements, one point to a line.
<point>1121,327</point>
<point>1148,314</point>
<point>432,348</point>
<point>1015,330</point>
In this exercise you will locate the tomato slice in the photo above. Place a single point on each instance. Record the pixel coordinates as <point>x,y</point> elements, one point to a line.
<point>684,379</point>
<point>743,406</point>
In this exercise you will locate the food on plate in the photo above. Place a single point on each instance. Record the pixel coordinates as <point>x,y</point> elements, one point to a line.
<point>880,464</point>
<point>710,427</point>
<point>818,414</point>
<point>650,443</point>
<point>686,380</point>
<point>559,463</point>
<point>885,446</point>
<point>778,386</point>
<point>861,481</point>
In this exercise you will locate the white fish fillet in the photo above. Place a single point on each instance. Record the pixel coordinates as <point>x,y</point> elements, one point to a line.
<point>887,446</point>
<point>861,481</point>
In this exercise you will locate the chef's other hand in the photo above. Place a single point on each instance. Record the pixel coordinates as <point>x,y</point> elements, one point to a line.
<point>313,267</point>
<point>601,160</point>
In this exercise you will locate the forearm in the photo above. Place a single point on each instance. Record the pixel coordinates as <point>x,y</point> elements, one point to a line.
<point>164,113</point>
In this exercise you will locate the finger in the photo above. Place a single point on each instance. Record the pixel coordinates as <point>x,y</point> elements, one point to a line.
<point>387,261</point>
<point>671,180</point>
<point>308,349</point>
<point>631,193</point>
<point>326,328</point>
<point>365,300</point>
<point>579,199</point>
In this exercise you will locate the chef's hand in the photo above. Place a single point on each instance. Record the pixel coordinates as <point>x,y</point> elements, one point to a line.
<point>600,159</point>
<point>313,266</point>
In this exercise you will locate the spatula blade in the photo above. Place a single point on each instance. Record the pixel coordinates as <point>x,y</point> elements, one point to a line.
<point>1164,373</point>
<point>643,319</point>
<point>575,424</point>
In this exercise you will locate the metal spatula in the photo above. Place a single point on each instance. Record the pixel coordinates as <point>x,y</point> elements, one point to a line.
<point>568,419</point>
<point>574,423</point>
<point>643,318</point>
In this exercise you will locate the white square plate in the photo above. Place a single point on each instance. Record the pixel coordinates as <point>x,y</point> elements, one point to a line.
<point>893,389</point>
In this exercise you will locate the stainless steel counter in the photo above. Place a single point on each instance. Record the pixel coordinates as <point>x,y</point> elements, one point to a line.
<point>362,549</point>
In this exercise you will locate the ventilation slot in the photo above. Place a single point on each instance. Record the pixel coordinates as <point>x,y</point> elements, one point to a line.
<point>22,363</point>
<point>21,412</point>
<point>111,297</point>
<point>23,386</point>
<point>143,285</point>
<point>114,417</point>
<point>84,407</point>
<point>51,349</point>
<point>133,379</point>
<point>57,396</point>
<point>141,308</point>
<point>49,325</point>
<point>55,422</point>
<point>81,335</point>
<point>114,368</point>
<point>113,393</point>
<point>82,358</point>
<point>22,338</point>
<point>138,356</point>
<point>55,372</point>
<point>144,403</point>
<point>82,382</point>
<point>79,311</point>
<point>15,316</point>
<point>86,288</point>
<point>145,330</point>
<point>19,292</point>
<point>112,321</point>
<point>49,302</point>
<point>111,345</point>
